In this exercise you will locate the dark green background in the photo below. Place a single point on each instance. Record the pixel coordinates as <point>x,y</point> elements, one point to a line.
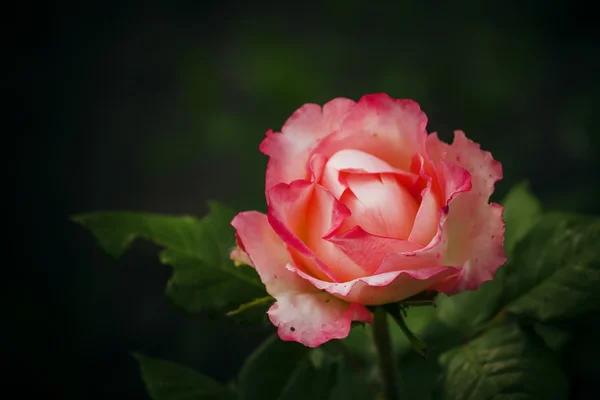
<point>158,107</point>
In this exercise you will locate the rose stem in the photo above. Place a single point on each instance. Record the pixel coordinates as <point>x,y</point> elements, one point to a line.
<point>381,336</point>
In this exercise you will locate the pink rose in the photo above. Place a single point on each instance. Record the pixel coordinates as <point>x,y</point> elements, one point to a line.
<point>366,208</point>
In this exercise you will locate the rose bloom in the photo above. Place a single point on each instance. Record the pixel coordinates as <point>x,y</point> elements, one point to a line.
<point>366,208</point>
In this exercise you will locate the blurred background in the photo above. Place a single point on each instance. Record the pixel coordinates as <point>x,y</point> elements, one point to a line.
<point>160,106</point>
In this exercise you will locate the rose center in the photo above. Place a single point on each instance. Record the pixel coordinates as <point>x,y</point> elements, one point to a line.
<point>370,188</point>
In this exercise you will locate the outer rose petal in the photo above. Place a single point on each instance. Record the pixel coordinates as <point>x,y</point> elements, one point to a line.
<point>302,313</point>
<point>392,130</point>
<point>383,288</point>
<point>315,318</point>
<point>267,253</point>
<point>475,228</point>
<point>289,150</point>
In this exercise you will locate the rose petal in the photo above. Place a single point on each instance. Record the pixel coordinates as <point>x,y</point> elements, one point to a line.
<point>475,228</point>
<point>302,313</point>
<point>325,216</point>
<point>315,318</point>
<point>483,169</point>
<point>288,210</point>
<point>427,218</point>
<point>380,255</point>
<point>383,288</point>
<point>289,150</point>
<point>380,205</point>
<point>456,181</point>
<point>355,161</point>
<point>267,253</point>
<point>369,250</point>
<point>389,129</point>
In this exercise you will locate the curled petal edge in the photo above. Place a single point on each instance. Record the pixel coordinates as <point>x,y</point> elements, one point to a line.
<point>313,318</point>
<point>384,288</point>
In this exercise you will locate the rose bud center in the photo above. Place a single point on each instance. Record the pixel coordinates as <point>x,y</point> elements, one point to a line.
<point>370,188</point>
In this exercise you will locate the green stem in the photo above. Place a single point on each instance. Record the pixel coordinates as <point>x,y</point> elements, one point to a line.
<point>381,336</point>
<point>417,344</point>
<point>246,306</point>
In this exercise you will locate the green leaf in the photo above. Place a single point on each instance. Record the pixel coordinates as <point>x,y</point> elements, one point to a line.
<point>198,249</point>
<point>468,311</point>
<point>166,380</point>
<point>197,286</point>
<point>270,368</point>
<point>208,239</point>
<point>506,362</point>
<point>555,274</point>
<point>521,211</point>
<point>459,317</point>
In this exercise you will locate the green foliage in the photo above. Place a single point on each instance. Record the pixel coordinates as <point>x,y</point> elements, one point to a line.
<point>553,272</point>
<point>552,276</point>
<point>280,370</point>
<point>204,277</point>
<point>556,270</point>
<point>505,362</point>
<point>468,311</point>
<point>492,343</point>
<point>208,239</point>
<point>165,380</point>
<point>521,211</point>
